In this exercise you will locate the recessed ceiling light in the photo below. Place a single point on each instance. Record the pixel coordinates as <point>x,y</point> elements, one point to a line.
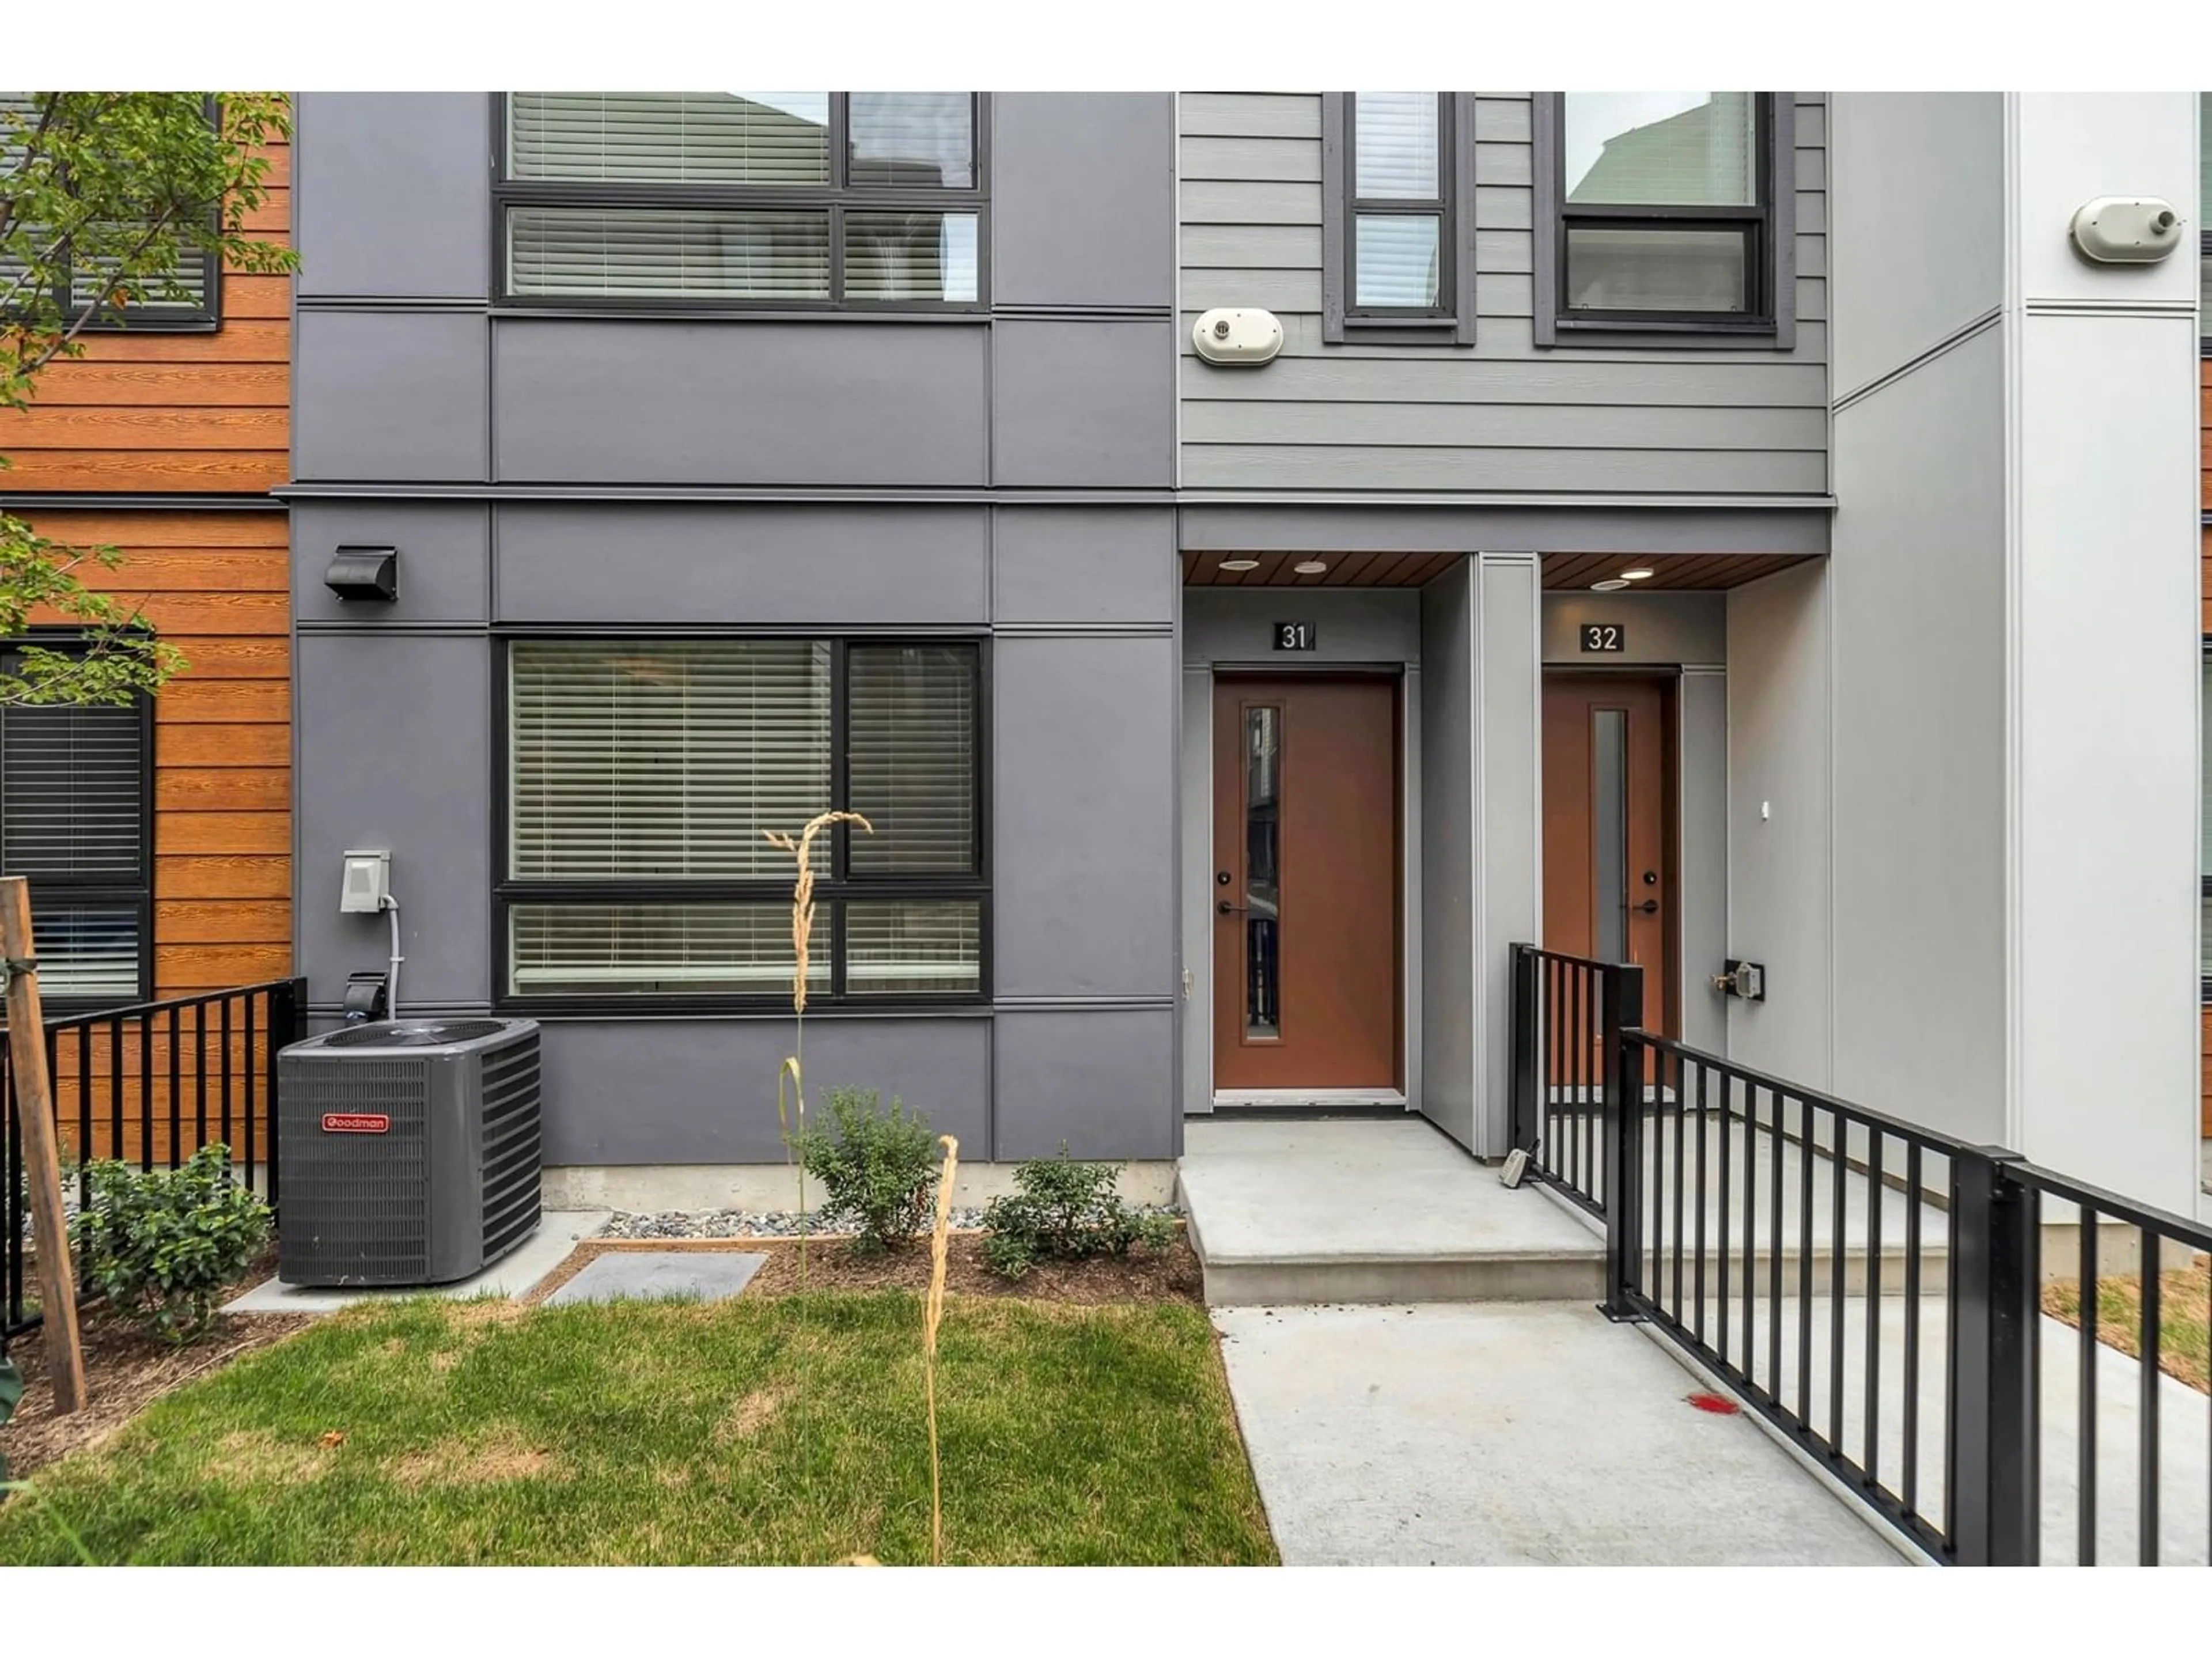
<point>1240,564</point>
<point>1640,573</point>
<point>1310,567</point>
<point>1613,585</point>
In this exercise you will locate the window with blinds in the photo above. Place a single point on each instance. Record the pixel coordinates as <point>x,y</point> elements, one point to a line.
<point>1664,205</point>
<point>188,294</point>
<point>743,198</point>
<point>643,778</point>
<point>1400,206</point>
<point>74,784</point>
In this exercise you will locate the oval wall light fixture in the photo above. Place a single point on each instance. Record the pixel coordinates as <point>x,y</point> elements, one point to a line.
<point>1239,564</point>
<point>1611,585</point>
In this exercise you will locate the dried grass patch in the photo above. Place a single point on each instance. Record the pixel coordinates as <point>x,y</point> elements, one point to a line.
<point>2185,1299</point>
<point>499,1455</point>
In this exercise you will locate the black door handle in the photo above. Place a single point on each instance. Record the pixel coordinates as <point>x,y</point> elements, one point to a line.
<point>1225,907</point>
<point>1649,907</point>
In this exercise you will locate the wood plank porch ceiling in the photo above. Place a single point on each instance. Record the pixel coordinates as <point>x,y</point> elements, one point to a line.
<point>1342,569</point>
<point>1561,570</point>
<point>1670,570</point>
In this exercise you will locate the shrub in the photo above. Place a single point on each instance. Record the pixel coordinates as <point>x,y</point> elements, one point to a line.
<point>1064,1211</point>
<point>877,1170</point>
<point>161,1245</point>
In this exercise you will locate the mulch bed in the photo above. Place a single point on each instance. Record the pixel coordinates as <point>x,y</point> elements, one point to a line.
<point>832,1265</point>
<point>125,1369</point>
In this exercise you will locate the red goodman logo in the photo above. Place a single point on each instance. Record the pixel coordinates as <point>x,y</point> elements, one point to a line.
<point>355,1123</point>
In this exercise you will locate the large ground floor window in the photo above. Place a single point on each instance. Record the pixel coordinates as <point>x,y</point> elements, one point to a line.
<point>643,778</point>
<point>76,818</point>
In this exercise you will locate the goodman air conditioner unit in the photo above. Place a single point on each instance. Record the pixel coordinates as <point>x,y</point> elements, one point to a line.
<point>408,1149</point>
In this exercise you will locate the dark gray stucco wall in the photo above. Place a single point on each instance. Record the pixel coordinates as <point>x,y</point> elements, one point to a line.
<point>604,471</point>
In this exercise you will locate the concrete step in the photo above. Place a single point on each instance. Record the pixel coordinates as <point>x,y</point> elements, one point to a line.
<point>1277,1278</point>
<point>1299,1213</point>
<point>1290,1212</point>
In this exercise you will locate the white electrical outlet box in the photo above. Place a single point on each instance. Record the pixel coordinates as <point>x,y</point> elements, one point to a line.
<point>1237,334</point>
<point>2127,229</point>
<point>367,883</point>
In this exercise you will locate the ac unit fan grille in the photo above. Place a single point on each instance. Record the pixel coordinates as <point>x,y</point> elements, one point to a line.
<point>369,1194</point>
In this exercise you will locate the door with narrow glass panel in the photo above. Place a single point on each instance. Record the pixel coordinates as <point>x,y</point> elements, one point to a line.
<point>1306,885</point>
<point>1608,846</point>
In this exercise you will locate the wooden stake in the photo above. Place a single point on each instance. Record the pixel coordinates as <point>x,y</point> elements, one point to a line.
<point>42,1165</point>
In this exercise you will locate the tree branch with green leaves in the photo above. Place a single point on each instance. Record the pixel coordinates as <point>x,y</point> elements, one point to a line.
<point>109,202</point>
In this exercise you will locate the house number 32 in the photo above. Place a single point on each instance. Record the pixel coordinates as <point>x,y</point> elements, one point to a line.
<point>1604,636</point>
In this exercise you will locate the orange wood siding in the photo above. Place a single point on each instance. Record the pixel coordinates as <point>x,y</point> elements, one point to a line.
<point>213,584</point>
<point>2204,1105</point>
<point>149,413</point>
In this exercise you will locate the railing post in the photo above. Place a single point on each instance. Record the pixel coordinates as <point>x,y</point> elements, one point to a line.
<point>1993,1487</point>
<point>1620,1008</point>
<point>1522,1125</point>
<point>287,1002</point>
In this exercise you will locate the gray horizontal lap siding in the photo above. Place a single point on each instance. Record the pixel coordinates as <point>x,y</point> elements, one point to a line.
<point>1499,415</point>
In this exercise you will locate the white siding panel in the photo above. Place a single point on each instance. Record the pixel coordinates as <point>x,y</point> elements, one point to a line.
<point>1641,472</point>
<point>1499,414</point>
<point>1504,426</point>
<point>1251,114</point>
<point>1295,160</point>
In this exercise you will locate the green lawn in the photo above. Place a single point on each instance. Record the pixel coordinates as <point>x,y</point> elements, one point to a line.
<point>786,1431</point>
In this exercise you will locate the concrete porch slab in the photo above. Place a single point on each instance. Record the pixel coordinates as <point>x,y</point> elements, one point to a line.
<point>1527,1434</point>
<point>1365,1210</point>
<point>657,1275</point>
<point>514,1276</point>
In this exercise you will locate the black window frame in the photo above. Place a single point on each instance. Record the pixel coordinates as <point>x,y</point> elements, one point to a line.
<point>832,890</point>
<point>834,197</point>
<point>1451,321</point>
<point>80,889</point>
<point>1770,226</point>
<point>156,316</point>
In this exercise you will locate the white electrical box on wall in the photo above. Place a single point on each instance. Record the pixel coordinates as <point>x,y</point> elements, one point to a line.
<point>1237,335</point>
<point>2126,229</point>
<point>367,884</point>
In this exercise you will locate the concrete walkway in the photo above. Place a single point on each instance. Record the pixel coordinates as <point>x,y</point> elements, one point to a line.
<point>1510,1434</point>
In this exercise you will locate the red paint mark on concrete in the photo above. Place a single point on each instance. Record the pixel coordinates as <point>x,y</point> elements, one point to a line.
<point>1715,1403</point>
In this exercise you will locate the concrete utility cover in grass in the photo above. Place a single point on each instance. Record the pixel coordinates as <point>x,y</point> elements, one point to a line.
<point>647,1275</point>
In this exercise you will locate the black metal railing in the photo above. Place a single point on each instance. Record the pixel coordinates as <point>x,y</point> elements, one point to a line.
<point>1565,1010</point>
<point>149,1085</point>
<point>1875,1291</point>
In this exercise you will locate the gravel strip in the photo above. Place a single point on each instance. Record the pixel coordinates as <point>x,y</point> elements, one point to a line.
<point>768,1224</point>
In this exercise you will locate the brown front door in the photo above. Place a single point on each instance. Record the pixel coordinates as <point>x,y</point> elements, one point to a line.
<point>1608,806</point>
<point>1305,883</point>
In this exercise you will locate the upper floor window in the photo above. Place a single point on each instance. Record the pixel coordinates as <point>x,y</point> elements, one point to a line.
<point>1398,175</point>
<point>1661,212</point>
<point>183,296</point>
<point>744,199</point>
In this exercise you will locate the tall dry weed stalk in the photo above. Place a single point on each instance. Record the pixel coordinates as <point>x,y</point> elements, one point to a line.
<point>932,1315</point>
<point>791,1120</point>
